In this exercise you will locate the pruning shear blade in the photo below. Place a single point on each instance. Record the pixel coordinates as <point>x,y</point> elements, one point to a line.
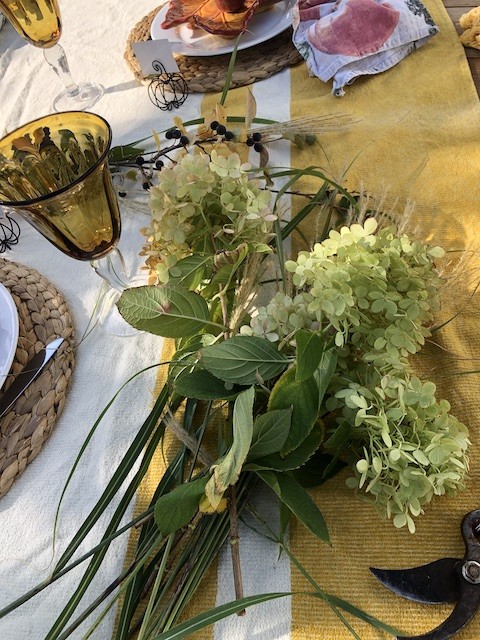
<point>442,581</point>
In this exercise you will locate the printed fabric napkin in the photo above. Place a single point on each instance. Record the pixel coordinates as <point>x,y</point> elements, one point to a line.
<point>350,38</point>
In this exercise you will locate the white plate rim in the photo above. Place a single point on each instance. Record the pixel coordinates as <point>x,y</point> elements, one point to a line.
<point>250,39</point>
<point>11,315</point>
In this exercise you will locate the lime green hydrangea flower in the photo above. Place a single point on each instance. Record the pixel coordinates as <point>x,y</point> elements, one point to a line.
<point>375,294</point>
<point>204,204</point>
<point>407,445</point>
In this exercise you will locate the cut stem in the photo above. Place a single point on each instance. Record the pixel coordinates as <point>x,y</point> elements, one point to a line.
<point>235,547</point>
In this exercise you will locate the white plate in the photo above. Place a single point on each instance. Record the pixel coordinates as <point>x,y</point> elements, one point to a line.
<point>196,42</point>
<point>8,332</point>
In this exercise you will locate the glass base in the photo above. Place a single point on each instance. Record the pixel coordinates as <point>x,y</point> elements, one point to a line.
<point>85,96</point>
<point>112,322</point>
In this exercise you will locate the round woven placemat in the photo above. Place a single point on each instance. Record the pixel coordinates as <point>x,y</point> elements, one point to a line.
<point>205,74</point>
<point>42,316</point>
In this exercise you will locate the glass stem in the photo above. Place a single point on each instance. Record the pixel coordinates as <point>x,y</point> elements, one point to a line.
<point>57,59</point>
<point>112,269</point>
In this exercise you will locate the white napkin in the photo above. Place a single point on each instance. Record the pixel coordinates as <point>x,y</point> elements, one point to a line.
<point>350,38</point>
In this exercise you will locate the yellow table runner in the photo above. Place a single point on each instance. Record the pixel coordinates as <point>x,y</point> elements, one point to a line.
<point>417,135</point>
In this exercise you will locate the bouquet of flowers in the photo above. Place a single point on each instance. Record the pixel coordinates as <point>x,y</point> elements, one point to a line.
<point>287,392</point>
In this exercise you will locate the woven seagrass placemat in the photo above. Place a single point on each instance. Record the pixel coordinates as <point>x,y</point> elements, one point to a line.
<point>42,316</point>
<point>207,73</point>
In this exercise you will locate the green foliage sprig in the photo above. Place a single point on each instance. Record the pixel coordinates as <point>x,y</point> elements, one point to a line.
<point>289,393</point>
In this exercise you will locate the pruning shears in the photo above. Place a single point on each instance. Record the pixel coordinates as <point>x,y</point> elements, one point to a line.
<point>443,581</point>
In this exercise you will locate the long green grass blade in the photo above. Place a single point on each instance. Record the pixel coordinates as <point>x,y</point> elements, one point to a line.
<point>97,559</point>
<point>231,67</point>
<point>170,478</point>
<point>123,470</point>
<point>133,452</point>
<point>207,618</point>
<point>86,442</point>
<point>362,615</point>
<point>117,584</point>
<point>46,583</point>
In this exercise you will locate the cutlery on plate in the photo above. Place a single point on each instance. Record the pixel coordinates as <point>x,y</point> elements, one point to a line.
<point>30,372</point>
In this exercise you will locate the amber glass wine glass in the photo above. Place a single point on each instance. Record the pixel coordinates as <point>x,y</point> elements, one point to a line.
<point>39,22</point>
<point>54,172</point>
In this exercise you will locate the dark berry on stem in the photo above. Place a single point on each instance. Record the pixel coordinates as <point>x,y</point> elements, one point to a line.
<point>250,142</point>
<point>214,125</point>
<point>139,160</point>
<point>169,134</point>
<point>258,146</point>
<point>159,164</point>
<point>177,134</point>
<point>146,186</point>
<point>221,129</point>
<point>122,194</point>
<point>257,136</point>
<point>229,135</point>
<point>184,140</point>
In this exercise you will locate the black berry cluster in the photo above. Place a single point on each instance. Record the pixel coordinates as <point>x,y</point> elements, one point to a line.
<point>151,161</point>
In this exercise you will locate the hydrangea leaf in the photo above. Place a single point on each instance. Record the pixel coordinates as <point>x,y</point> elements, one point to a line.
<point>168,311</point>
<point>244,360</point>
<point>228,469</point>
<point>318,469</point>
<point>174,509</point>
<point>298,501</point>
<point>303,397</point>
<point>293,460</point>
<point>270,431</point>
<point>202,385</point>
<point>310,347</point>
<point>190,271</point>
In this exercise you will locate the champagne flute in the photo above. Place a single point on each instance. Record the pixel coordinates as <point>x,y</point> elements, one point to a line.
<point>39,23</point>
<point>54,173</point>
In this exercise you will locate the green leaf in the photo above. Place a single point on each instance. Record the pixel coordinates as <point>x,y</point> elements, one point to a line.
<point>250,110</point>
<point>188,627</point>
<point>359,613</point>
<point>340,438</point>
<point>202,385</point>
<point>293,460</point>
<point>324,372</point>
<point>185,629</point>
<point>318,469</point>
<point>190,271</point>
<point>124,152</point>
<point>304,398</point>
<point>310,347</point>
<point>174,509</point>
<point>230,69</point>
<point>297,500</point>
<point>227,471</point>
<point>185,358</point>
<point>243,360</point>
<point>285,517</point>
<point>168,311</point>
<point>270,431</point>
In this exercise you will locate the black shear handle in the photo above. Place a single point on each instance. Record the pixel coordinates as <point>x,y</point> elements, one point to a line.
<point>465,609</point>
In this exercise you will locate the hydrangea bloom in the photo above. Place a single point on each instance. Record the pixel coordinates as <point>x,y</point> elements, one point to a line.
<point>204,203</point>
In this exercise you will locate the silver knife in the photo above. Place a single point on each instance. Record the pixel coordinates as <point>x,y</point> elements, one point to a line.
<point>29,373</point>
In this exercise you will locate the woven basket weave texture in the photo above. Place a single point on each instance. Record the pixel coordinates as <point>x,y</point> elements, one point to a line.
<point>207,73</point>
<point>43,316</point>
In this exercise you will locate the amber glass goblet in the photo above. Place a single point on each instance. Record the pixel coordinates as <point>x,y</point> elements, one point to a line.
<point>54,173</point>
<point>39,23</point>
